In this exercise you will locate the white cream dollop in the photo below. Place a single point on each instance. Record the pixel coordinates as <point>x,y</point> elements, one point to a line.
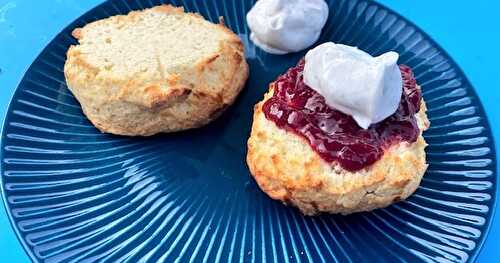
<point>367,88</point>
<point>285,26</point>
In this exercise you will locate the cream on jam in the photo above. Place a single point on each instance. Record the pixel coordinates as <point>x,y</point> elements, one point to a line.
<point>335,136</point>
<point>355,83</point>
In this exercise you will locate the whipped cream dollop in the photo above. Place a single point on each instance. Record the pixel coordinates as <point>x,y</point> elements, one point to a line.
<point>352,81</point>
<point>285,26</point>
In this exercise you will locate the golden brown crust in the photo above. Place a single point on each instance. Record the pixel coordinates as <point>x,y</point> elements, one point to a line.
<point>77,33</point>
<point>288,169</point>
<point>169,9</point>
<point>141,105</point>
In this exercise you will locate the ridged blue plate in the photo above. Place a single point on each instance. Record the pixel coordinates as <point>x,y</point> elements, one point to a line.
<point>76,195</point>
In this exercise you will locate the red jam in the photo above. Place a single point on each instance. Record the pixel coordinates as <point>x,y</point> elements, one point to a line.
<point>334,135</point>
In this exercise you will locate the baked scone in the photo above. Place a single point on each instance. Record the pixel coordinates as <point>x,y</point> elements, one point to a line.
<point>156,70</point>
<point>287,168</point>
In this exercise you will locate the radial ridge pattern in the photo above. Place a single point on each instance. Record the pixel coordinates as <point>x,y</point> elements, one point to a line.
<point>74,194</point>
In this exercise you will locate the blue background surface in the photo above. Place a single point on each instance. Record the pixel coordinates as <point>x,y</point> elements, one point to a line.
<point>468,30</point>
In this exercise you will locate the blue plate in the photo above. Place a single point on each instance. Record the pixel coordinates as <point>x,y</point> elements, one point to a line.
<point>74,194</point>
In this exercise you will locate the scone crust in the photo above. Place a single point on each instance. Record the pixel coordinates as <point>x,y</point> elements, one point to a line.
<point>136,106</point>
<point>287,169</point>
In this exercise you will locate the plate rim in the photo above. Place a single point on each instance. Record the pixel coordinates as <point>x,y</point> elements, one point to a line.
<point>480,243</point>
<point>452,61</point>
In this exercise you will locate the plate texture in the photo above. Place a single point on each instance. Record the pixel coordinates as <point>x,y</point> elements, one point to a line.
<point>76,195</point>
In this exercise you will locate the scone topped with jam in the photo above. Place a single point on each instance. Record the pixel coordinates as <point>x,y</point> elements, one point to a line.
<point>156,70</point>
<point>330,136</point>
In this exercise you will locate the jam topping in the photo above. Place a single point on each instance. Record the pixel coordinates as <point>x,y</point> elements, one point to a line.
<point>335,136</point>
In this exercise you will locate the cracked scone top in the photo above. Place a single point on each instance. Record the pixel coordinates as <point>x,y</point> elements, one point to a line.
<point>307,154</point>
<point>156,70</point>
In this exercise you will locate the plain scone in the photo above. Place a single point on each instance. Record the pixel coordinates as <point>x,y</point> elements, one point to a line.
<point>156,70</point>
<point>288,169</point>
